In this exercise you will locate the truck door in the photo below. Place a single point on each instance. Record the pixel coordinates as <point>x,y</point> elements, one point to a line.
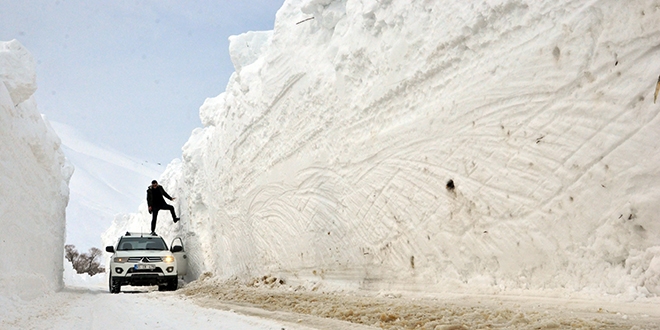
<point>180,255</point>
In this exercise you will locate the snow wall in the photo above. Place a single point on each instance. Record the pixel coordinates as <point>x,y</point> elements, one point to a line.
<point>34,188</point>
<point>432,145</point>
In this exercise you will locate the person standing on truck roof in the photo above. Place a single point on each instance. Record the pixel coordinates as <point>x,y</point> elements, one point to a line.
<point>156,202</point>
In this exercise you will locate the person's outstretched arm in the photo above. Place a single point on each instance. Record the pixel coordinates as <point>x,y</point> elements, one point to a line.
<point>165,193</point>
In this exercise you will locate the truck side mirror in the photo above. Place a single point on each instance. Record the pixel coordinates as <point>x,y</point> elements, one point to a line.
<point>177,248</point>
<point>110,249</point>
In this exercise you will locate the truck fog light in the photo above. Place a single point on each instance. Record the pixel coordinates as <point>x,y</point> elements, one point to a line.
<point>170,269</point>
<point>119,270</point>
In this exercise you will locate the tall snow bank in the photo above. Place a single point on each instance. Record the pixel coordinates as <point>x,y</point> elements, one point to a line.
<point>435,145</point>
<point>17,71</point>
<point>34,178</point>
<point>246,48</point>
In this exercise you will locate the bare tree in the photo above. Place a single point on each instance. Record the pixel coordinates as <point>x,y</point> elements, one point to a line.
<point>70,252</point>
<point>93,265</point>
<point>84,262</point>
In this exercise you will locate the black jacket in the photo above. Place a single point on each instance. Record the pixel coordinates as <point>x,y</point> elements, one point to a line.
<point>155,196</point>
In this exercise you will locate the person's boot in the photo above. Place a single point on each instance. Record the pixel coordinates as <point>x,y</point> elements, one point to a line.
<point>176,220</point>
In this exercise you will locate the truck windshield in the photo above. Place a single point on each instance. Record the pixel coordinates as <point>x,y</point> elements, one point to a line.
<point>141,243</point>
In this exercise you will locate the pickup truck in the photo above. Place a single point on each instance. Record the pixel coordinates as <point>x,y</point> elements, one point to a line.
<point>140,259</point>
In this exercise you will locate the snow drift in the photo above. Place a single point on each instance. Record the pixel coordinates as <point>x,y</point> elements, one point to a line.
<point>34,178</point>
<point>434,145</point>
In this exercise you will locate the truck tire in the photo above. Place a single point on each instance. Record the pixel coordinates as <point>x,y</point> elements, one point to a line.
<point>113,285</point>
<point>171,285</point>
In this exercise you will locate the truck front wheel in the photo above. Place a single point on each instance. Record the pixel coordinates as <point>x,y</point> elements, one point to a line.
<point>113,285</point>
<point>171,285</point>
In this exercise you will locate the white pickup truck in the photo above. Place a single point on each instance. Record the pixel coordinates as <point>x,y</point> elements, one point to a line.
<point>140,259</point>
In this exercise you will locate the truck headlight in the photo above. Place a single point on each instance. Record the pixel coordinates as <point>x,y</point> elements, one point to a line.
<point>168,259</point>
<point>120,259</point>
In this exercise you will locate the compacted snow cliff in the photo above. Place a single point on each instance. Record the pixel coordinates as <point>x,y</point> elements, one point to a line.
<point>432,145</point>
<point>34,179</point>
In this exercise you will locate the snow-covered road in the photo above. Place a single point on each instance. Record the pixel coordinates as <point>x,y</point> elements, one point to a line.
<point>233,306</point>
<point>94,308</point>
<point>422,310</point>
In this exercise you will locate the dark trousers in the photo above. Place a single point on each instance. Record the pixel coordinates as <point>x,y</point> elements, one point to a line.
<point>154,214</point>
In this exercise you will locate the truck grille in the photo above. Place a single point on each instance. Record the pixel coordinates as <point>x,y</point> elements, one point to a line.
<point>154,271</point>
<point>145,259</point>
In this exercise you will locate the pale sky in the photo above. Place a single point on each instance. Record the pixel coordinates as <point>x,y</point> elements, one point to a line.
<point>131,74</point>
